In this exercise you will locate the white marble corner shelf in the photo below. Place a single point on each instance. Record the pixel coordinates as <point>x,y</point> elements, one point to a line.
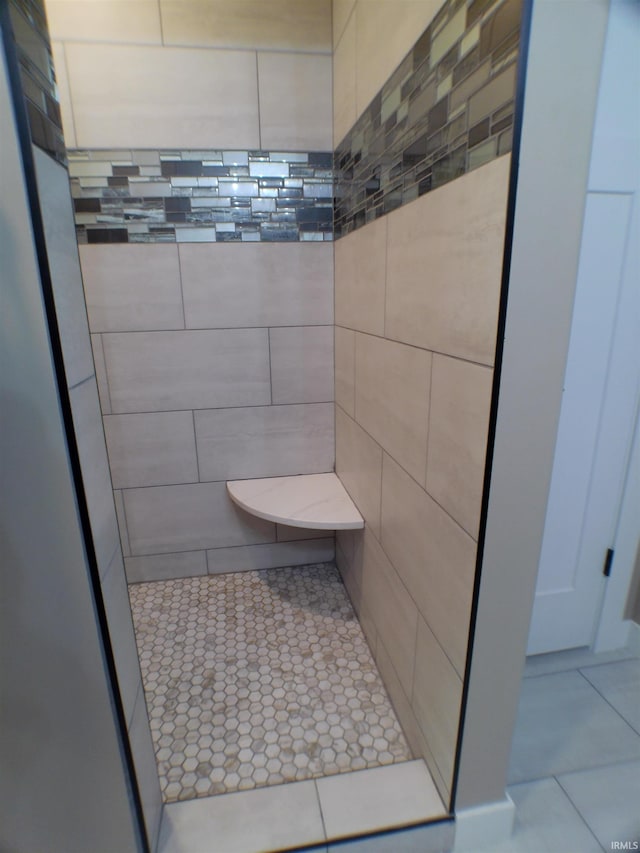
<point>316,501</point>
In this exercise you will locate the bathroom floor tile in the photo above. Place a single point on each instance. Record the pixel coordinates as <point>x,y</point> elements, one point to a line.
<point>607,799</point>
<point>564,724</point>
<point>259,678</point>
<point>619,684</point>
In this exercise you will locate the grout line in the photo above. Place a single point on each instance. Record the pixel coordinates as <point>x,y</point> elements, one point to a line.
<point>271,368</point>
<point>219,409</point>
<point>82,382</point>
<point>125,533</point>
<point>426,464</point>
<point>162,42</point>
<point>602,696</point>
<point>106,375</point>
<point>315,785</point>
<point>577,810</point>
<point>63,44</point>
<point>195,444</point>
<point>230,328</point>
<point>184,316</point>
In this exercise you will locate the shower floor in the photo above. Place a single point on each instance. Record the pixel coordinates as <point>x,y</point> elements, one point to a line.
<point>259,678</point>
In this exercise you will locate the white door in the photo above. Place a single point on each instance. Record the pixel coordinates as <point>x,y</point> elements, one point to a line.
<point>602,377</point>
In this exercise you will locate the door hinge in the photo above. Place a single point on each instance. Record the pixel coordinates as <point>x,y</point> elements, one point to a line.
<point>606,569</point>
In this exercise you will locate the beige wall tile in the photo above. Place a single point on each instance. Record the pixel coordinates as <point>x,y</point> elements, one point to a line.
<point>458,424</point>
<point>132,21</point>
<point>181,98</point>
<point>350,564</point>
<point>295,102</point>
<point>101,374</point>
<point>64,96</point>
<point>284,533</point>
<point>123,641</point>
<point>194,517</point>
<point>345,357</point>
<point>122,522</point>
<point>302,364</point>
<point>392,399</point>
<point>87,423</point>
<point>257,284</point>
<point>265,441</point>
<point>164,371</point>
<point>159,567</point>
<point>444,265</point>
<point>433,555</point>
<point>344,83</point>
<point>387,30</point>
<point>359,467</point>
<point>253,557</point>
<point>341,9</point>
<point>360,262</point>
<point>437,694</point>
<point>153,449</point>
<point>391,607</point>
<point>407,718</point>
<point>132,288</point>
<point>276,25</point>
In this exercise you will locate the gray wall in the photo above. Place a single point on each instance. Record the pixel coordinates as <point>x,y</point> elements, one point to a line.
<point>63,785</point>
<point>562,86</point>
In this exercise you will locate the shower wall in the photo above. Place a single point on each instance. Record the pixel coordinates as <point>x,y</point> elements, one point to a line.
<point>423,135</point>
<point>201,180</point>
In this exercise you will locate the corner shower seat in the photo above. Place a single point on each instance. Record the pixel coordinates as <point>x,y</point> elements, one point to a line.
<point>317,501</point>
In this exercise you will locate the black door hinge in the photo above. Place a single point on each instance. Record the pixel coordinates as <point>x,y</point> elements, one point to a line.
<point>606,569</point>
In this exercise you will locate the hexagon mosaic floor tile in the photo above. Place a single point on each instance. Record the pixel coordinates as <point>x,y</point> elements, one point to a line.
<point>259,678</point>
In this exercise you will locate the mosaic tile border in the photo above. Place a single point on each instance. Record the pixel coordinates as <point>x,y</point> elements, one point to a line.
<point>29,24</point>
<point>126,196</point>
<point>447,109</point>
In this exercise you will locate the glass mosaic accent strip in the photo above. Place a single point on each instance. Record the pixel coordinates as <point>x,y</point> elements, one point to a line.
<point>37,75</point>
<point>201,196</point>
<point>446,109</point>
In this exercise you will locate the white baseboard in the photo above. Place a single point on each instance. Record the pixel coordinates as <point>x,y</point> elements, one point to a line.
<point>484,825</point>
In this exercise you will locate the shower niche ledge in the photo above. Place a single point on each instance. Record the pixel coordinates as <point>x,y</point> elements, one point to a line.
<point>316,501</point>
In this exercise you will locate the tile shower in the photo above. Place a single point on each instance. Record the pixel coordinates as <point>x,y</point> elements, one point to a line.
<point>215,360</point>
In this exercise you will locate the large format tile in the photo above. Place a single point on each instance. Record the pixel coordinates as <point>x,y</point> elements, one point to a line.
<point>344,83</point>
<point>563,724</point>
<point>360,260</point>
<point>545,822</point>
<point>619,684</point>
<point>163,371</point>
<point>378,799</point>
<point>436,700</point>
<point>295,101</point>
<point>359,468</point>
<point>59,229</point>
<point>341,11</point>
<point>133,21</point>
<point>132,288</point>
<point>274,555</point>
<point>153,449</point>
<point>265,819</point>
<point>265,441</point>
<point>387,30</point>
<point>161,567</point>
<point>607,799</point>
<point>96,478</point>
<point>121,636</point>
<point>432,838</point>
<point>345,358</point>
<point>277,25</point>
<point>392,399</point>
<point>171,105</point>
<point>257,284</point>
<point>391,607</point>
<point>434,557</point>
<point>444,265</point>
<point>164,519</point>
<point>458,425</point>
<point>302,364</point>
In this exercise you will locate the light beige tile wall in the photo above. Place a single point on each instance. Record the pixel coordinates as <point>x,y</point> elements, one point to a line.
<point>370,39</point>
<point>416,312</point>
<point>214,363</point>
<point>194,73</point>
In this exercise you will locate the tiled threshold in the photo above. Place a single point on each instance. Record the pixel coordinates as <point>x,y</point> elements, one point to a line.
<point>315,812</point>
